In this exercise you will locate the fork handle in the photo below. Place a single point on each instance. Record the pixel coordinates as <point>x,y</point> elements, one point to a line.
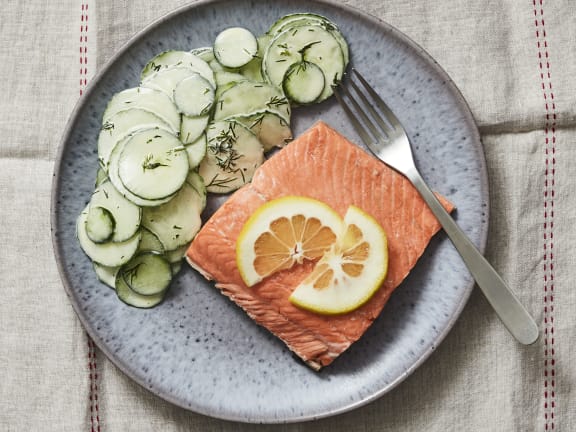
<point>507,306</point>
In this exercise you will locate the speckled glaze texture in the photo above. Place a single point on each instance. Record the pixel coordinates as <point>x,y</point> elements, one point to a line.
<point>200,351</point>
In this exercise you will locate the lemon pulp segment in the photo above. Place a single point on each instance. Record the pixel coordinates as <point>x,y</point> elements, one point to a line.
<point>283,232</point>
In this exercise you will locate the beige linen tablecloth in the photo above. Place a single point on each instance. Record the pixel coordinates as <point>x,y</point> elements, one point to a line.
<point>514,61</point>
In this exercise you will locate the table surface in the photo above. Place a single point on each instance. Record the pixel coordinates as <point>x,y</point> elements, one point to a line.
<point>515,65</point>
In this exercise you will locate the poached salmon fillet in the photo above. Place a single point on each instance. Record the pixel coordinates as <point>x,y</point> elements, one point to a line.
<point>323,165</point>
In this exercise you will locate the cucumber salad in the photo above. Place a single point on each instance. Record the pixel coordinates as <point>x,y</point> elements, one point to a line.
<point>200,121</point>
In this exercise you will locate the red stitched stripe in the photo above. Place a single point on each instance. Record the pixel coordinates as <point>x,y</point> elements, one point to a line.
<point>92,360</point>
<point>83,46</point>
<point>550,402</point>
<point>93,395</point>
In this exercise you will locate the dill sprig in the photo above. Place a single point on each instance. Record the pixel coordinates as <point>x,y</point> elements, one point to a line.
<point>221,182</point>
<point>285,50</point>
<point>328,26</point>
<point>276,101</point>
<point>131,273</point>
<point>108,126</point>
<point>302,50</point>
<point>222,146</point>
<point>257,122</point>
<point>149,164</point>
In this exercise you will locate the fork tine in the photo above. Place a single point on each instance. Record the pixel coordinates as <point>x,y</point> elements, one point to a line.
<point>370,107</point>
<point>353,119</point>
<point>387,112</point>
<point>361,112</point>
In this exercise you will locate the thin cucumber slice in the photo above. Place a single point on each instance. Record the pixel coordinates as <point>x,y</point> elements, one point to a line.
<point>217,67</point>
<point>147,273</point>
<point>224,78</point>
<point>150,242</point>
<point>124,214</point>
<point>101,176</point>
<point>234,47</point>
<point>176,255</point>
<point>271,129</point>
<point>122,124</point>
<point>105,274</point>
<point>196,181</point>
<point>109,254</point>
<point>224,87</point>
<point>309,43</point>
<point>176,222</point>
<point>176,267</point>
<point>232,156</point>
<point>204,53</point>
<point>132,298</point>
<point>166,80</point>
<point>253,70</point>
<point>153,164</point>
<point>193,127</point>
<point>303,82</point>
<point>168,59</point>
<point>194,96</point>
<point>288,20</point>
<point>196,151</point>
<point>306,18</point>
<point>248,97</point>
<point>147,99</point>
<point>99,224</point>
<point>115,178</point>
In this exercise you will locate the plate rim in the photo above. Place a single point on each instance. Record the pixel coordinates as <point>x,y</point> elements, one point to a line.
<point>82,101</point>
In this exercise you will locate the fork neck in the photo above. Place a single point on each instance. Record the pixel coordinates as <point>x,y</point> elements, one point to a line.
<point>412,173</point>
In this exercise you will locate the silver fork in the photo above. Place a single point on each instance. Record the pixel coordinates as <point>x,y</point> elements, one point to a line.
<point>386,138</point>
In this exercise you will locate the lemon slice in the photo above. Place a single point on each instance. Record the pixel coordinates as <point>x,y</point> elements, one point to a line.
<point>283,232</point>
<point>350,272</point>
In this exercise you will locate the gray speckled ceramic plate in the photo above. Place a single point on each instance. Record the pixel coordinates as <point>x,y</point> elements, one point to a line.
<point>197,349</point>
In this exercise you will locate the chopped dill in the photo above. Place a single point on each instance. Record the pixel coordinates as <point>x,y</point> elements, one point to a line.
<point>223,183</point>
<point>108,126</point>
<point>276,101</point>
<point>131,273</point>
<point>257,122</point>
<point>222,146</point>
<point>148,164</point>
<point>307,46</point>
